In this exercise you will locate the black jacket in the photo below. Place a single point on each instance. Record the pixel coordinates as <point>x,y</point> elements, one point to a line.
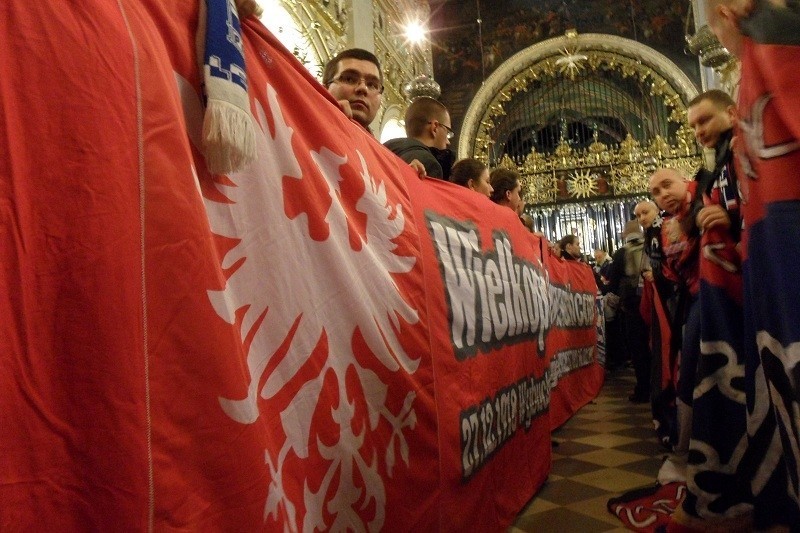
<point>411,149</point>
<point>707,180</point>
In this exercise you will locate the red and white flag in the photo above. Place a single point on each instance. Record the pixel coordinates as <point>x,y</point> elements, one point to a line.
<point>299,345</point>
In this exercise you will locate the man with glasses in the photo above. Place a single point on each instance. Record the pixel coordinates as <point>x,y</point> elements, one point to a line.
<point>429,133</point>
<point>354,78</point>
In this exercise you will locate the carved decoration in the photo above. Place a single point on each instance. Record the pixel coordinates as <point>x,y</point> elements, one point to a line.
<point>598,170</point>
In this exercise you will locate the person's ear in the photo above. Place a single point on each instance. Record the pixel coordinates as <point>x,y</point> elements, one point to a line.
<point>727,15</point>
<point>470,184</point>
<point>732,114</point>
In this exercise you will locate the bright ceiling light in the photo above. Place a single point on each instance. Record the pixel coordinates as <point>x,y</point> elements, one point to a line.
<point>415,32</point>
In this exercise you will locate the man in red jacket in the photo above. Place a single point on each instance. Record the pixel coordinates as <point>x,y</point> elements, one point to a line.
<point>765,36</point>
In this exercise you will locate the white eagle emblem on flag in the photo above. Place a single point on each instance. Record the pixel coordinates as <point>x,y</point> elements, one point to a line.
<point>295,295</point>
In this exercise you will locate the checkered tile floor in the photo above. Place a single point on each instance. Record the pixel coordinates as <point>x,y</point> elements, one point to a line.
<point>607,448</point>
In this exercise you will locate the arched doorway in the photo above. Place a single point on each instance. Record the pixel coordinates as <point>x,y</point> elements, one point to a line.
<point>585,119</point>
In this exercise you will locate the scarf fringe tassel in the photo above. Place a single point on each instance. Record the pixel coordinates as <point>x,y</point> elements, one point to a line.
<point>229,141</point>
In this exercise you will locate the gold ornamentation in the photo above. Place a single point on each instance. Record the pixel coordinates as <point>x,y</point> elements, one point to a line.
<point>582,184</point>
<point>687,167</point>
<point>541,189</point>
<point>535,162</point>
<point>506,162</point>
<point>630,149</point>
<point>631,178</point>
<point>625,167</point>
<point>598,153</point>
<point>571,61</point>
<point>605,54</point>
<point>659,147</point>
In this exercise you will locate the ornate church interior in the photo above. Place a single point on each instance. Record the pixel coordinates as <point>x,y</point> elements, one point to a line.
<point>585,99</point>
<point>400,265</point>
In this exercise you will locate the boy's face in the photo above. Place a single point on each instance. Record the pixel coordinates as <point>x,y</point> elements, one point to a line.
<point>645,213</point>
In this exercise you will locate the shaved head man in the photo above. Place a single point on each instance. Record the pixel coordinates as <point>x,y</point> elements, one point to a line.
<point>646,213</point>
<point>428,134</point>
<point>669,190</point>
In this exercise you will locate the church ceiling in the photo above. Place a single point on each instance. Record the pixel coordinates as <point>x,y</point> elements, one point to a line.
<point>466,52</point>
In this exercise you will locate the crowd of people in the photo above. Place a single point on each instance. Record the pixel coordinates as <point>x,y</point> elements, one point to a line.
<point>355,80</point>
<point>702,293</point>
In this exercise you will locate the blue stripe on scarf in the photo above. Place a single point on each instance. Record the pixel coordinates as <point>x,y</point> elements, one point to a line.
<point>224,52</point>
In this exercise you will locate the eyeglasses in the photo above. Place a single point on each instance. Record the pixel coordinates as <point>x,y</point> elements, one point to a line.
<point>450,132</point>
<point>353,79</point>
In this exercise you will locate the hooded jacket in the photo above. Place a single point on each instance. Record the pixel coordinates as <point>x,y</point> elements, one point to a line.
<point>410,149</point>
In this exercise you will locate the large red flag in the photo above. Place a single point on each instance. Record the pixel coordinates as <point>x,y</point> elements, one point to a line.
<point>575,373</point>
<point>73,358</point>
<point>273,349</point>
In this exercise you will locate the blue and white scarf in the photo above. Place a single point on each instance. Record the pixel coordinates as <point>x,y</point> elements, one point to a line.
<point>228,135</point>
